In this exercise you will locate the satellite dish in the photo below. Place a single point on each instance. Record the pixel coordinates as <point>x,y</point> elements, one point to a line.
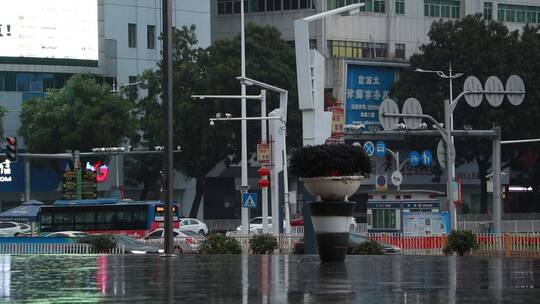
<point>412,106</point>
<point>515,84</point>
<point>388,106</point>
<point>494,84</point>
<point>473,84</point>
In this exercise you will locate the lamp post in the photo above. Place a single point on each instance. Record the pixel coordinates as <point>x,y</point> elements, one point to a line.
<point>449,126</point>
<point>244,183</point>
<point>283,103</point>
<point>168,125</point>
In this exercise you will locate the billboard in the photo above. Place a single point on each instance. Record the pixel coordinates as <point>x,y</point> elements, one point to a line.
<point>426,223</point>
<point>55,29</point>
<point>367,87</point>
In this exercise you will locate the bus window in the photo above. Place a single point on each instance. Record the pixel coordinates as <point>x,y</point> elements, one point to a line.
<point>46,220</point>
<point>139,216</point>
<point>123,219</point>
<point>104,220</point>
<point>63,221</point>
<point>85,220</point>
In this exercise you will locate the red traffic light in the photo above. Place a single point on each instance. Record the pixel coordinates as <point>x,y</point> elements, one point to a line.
<point>11,141</point>
<point>263,171</point>
<point>263,183</point>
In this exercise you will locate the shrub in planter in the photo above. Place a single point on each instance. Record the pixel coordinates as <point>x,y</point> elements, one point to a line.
<point>102,243</point>
<point>368,248</point>
<point>460,242</point>
<point>220,244</point>
<point>330,160</point>
<point>263,244</point>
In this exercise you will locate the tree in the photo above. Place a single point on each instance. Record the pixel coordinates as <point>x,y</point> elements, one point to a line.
<point>481,48</point>
<point>80,116</point>
<point>214,71</point>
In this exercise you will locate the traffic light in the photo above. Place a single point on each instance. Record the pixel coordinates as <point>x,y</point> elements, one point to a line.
<point>11,148</point>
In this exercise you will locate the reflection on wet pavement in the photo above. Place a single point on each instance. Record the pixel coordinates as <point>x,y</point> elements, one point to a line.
<point>267,279</point>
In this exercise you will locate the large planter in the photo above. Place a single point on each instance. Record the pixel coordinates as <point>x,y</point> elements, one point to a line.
<point>332,188</point>
<point>331,224</point>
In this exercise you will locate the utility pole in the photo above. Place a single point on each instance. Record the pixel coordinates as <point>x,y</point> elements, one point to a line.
<point>168,124</point>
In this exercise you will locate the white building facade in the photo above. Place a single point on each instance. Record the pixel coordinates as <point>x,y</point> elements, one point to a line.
<point>115,40</point>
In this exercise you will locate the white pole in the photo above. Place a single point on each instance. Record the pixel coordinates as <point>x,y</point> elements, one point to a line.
<point>264,190</point>
<point>245,214</point>
<point>451,76</point>
<point>286,182</point>
<point>397,168</point>
<point>450,166</point>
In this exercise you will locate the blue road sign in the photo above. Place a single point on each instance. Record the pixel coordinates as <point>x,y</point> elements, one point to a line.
<point>380,149</point>
<point>249,200</point>
<point>369,148</point>
<point>414,158</point>
<point>426,158</point>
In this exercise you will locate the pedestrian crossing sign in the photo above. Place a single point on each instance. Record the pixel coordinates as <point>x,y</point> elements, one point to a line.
<point>249,200</point>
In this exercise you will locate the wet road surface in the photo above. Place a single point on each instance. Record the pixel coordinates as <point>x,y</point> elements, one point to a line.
<point>267,279</point>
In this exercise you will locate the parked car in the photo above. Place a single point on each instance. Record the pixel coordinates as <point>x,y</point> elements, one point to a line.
<point>68,234</point>
<point>355,239</point>
<point>299,221</point>
<point>131,245</point>
<point>13,229</point>
<point>185,240</point>
<point>194,225</point>
<point>255,225</point>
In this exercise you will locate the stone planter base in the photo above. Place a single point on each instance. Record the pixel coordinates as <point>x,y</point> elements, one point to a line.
<point>331,222</point>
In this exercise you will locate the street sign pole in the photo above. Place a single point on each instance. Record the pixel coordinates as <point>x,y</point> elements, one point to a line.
<point>497,201</point>
<point>450,166</point>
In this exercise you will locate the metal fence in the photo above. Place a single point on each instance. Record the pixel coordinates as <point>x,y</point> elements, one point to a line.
<point>45,248</point>
<point>286,243</point>
<point>508,226</point>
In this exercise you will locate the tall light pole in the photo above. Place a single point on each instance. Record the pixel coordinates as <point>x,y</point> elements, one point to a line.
<point>168,125</point>
<point>449,126</point>
<point>244,179</point>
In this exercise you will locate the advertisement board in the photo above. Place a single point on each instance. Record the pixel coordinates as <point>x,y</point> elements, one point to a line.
<point>426,223</point>
<point>367,87</point>
<point>58,29</point>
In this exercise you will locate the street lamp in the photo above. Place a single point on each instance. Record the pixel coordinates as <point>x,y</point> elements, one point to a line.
<point>283,103</point>
<point>449,126</point>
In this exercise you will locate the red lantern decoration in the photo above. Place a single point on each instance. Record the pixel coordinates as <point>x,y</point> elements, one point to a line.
<point>263,183</point>
<point>263,171</point>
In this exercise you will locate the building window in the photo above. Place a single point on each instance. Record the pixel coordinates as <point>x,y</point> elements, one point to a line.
<point>518,13</point>
<point>378,6</point>
<point>384,218</point>
<point>400,7</point>
<point>356,49</point>
<point>400,51</point>
<point>132,35</point>
<point>488,10</point>
<point>151,37</point>
<point>442,8</point>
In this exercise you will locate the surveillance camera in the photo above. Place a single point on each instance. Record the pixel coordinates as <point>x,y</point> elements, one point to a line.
<point>228,115</point>
<point>212,123</point>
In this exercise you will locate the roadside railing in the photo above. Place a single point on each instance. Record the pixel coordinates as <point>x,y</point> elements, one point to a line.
<point>45,248</point>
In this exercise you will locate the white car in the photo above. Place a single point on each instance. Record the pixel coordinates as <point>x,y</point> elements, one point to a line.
<point>13,229</point>
<point>68,234</point>
<point>191,224</point>
<point>188,240</point>
<point>255,225</point>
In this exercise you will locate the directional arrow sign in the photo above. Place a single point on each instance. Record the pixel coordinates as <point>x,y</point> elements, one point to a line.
<point>414,158</point>
<point>380,149</point>
<point>426,158</point>
<point>249,200</point>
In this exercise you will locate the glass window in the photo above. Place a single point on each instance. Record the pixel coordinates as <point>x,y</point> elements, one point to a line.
<point>400,7</point>
<point>442,8</point>
<point>488,10</point>
<point>256,221</point>
<point>384,218</point>
<point>378,6</point>
<point>85,220</point>
<point>155,234</point>
<point>151,37</point>
<point>104,220</point>
<point>518,13</point>
<point>400,50</point>
<point>132,35</point>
